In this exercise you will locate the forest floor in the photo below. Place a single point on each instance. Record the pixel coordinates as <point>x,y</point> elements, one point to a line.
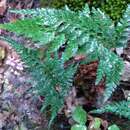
<point>19,107</point>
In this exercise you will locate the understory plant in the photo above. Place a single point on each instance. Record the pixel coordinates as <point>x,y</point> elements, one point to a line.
<point>73,4</point>
<point>80,117</point>
<point>61,35</point>
<point>114,8</point>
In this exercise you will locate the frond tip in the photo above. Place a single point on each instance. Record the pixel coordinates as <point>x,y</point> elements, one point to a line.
<point>121,108</point>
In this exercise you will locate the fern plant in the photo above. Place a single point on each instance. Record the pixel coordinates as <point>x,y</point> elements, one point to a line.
<point>54,84</point>
<point>53,78</point>
<point>83,33</point>
<point>88,33</point>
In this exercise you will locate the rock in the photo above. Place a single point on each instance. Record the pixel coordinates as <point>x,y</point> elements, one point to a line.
<point>126,72</point>
<point>119,51</point>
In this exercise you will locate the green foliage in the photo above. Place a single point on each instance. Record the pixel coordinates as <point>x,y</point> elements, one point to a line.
<point>96,123</point>
<point>78,127</point>
<point>30,28</point>
<point>53,80</point>
<point>121,108</point>
<point>91,34</point>
<point>114,8</point>
<point>113,127</point>
<point>80,24</point>
<point>96,3</point>
<point>30,56</point>
<point>80,116</point>
<point>54,84</point>
<point>72,4</point>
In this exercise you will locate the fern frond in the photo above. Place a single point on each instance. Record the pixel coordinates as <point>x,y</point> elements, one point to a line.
<point>30,28</point>
<point>96,24</point>
<point>121,108</point>
<point>110,67</point>
<point>53,83</point>
<point>123,28</point>
<point>91,34</point>
<point>53,80</point>
<point>76,25</point>
<point>29,56</point>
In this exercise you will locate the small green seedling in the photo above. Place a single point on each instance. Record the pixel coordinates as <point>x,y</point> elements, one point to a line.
<point>113,127</point>
<point>80,117</point>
